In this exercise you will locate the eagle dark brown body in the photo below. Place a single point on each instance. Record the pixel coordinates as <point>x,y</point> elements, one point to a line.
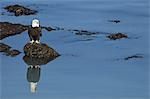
<point>35,33</point>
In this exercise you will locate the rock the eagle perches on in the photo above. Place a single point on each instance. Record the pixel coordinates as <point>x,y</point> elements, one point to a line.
<point>37,54</point>
<point>40,50</point>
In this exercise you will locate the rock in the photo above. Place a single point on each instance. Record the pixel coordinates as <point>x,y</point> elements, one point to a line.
<point>4,47</point>
<point>19,10</point>
<point>76,30</point>
<point>3,13</point>
<point>48,28</point>
<point>39,51</point>
<point>37,61</point>
<point>133,57</point>
<point>13,53</point>
<point>6,50</point>
<point>117,36</point>
<point>115,21</point>
<point>8,29</point>
<point>85,32</point>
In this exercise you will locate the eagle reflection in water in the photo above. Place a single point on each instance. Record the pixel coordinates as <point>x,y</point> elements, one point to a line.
<point>34,70</point>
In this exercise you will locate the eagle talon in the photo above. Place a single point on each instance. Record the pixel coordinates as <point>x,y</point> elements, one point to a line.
<point>31,41</point>
<point>37,42</point>
<point>37,66</point>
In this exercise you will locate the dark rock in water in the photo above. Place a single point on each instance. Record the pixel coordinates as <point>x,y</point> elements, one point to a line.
<point>37,61</point>
<point>8,29</point>
<point>19,10</point>
<point>59,28</point>
<point>48,28</point>
<point>76,30</point>
<point>3,13</point>
<point>85,32</point>
<point>4,47</point>
<point>133,57</point>
<point>13,53</point>
<point>117,36</point>
<point>39,51</point>
<point>115,21</point>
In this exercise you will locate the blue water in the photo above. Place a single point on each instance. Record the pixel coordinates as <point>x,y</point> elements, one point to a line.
<point>86,69</point>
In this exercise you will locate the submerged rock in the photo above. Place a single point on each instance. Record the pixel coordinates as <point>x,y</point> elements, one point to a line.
<point>85,32</point>
<point>13,53</point>
<point>115,21</point>
<point>133,57</point>
<point>39,51</point>
<point>19,10</point>
<point>6,49</point>
<point>48,28</point>
<point>8,29</point>
<point>117,36</point>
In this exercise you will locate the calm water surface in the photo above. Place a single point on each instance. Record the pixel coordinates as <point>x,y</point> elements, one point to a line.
<point>86,69</point>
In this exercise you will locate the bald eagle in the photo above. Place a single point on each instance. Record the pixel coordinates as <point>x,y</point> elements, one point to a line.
<point>35,32</point>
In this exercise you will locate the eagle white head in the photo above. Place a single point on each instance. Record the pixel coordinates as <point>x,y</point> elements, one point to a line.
<point>35,23</point>
<point>33,87</point>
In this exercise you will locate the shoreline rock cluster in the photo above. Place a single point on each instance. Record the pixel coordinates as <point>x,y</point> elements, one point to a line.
<point>8,29</point>
<point>19,10</point>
